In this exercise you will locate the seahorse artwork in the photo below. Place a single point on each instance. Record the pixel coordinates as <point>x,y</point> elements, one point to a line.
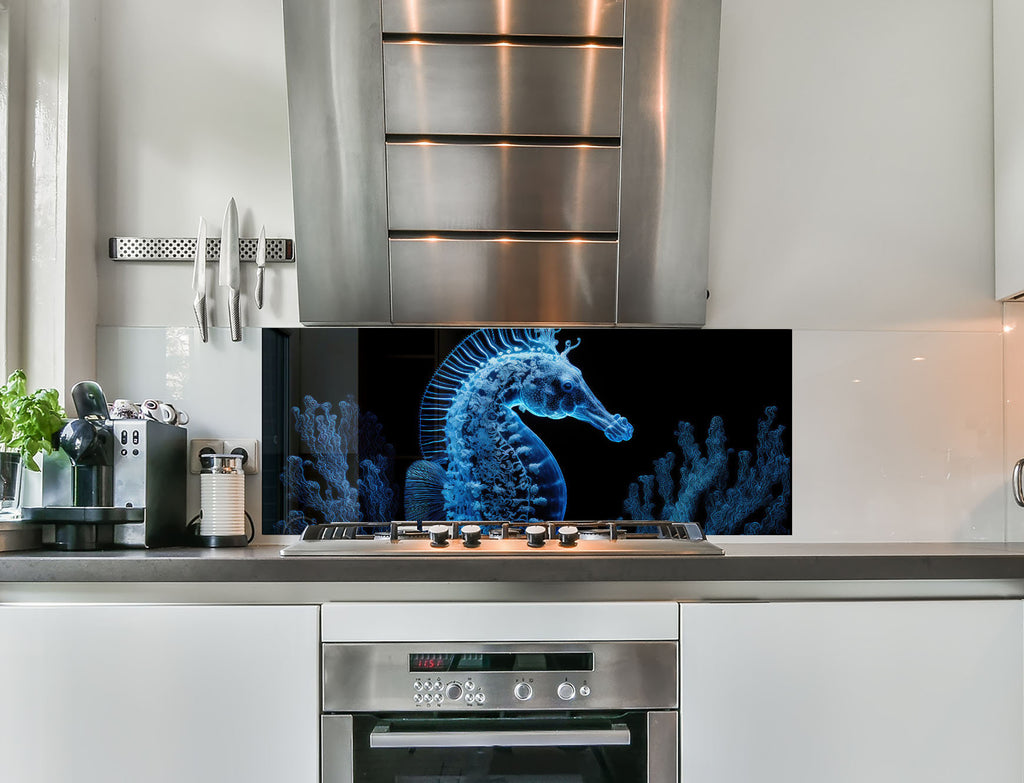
<point>755,502</point>
<point>481,460</point>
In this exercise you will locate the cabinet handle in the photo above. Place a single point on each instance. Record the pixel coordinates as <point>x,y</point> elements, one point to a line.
<point>1018,488</point>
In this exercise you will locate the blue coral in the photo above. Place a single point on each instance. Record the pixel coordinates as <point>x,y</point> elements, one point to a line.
<point>755,502</point>
<point>321,486</point>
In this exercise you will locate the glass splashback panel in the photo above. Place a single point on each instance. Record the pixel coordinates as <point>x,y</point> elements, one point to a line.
<point>376,425</point>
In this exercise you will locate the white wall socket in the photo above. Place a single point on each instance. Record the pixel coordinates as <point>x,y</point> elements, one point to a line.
<point>251,448</point>
<point>198,445</point>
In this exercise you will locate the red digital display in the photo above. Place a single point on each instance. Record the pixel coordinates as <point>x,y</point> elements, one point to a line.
<point>430,662</point>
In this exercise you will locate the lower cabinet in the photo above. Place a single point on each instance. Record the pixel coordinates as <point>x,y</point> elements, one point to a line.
<point>159,694</point>
<point>852,692</point>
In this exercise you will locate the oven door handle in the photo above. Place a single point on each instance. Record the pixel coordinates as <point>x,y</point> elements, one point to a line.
<point>382,737</point>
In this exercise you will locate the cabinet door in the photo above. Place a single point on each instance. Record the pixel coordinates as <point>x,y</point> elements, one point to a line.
<point>886,691</point>
<point>159,694</point>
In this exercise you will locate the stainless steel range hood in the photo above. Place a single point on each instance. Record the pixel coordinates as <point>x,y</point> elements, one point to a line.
<point>502,161</point>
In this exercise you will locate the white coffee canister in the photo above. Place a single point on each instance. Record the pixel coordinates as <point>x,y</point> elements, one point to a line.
<point>222,498</point>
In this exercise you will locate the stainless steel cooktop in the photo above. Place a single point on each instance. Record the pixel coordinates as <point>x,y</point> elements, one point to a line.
<point>471,539</point>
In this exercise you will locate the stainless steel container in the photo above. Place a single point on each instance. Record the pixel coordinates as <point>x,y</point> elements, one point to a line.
<point>222,497</point>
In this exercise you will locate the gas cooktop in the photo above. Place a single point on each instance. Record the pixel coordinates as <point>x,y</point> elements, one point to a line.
<point>458,539</point>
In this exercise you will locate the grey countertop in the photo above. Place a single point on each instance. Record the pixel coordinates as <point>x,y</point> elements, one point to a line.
<point>742,563</point>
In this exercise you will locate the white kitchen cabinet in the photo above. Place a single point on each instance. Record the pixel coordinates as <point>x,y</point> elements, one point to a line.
<point>850,692</point>
<point>159,694</point>
<point>1008,146</point>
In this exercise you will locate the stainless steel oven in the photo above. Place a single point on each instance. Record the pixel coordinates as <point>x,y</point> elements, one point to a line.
<point>518,712</point>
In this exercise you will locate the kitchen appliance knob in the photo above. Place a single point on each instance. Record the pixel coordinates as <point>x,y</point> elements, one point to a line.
<point>568,535</point>
<point>566,691</point>
<point>471,535</point>
<point>535,535</point>
<point>438,535</point>
<point>453,692</point>
<point>522,691</point>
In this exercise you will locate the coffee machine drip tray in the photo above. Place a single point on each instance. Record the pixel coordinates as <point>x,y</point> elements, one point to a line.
<point>89,515</point>
<point>79,528</point>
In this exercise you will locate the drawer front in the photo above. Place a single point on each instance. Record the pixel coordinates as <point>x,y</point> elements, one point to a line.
<point>595,18</point>
<point>502,89</point>
<point>494,281</point>
<point>502,187</point>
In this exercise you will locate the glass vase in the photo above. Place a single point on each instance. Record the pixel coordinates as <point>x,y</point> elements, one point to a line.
<point>11,469</point>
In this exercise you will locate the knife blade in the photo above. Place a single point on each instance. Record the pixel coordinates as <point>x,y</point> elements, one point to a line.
<point>199,282</point>
<point>229,274</point>
<point>261,262</point>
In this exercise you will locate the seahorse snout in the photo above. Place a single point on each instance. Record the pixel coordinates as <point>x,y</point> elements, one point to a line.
<point>619,429</point>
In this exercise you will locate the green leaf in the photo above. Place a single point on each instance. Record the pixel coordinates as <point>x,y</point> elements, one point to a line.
<point>28,422</point>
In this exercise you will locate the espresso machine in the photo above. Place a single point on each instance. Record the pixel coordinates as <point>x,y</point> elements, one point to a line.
<point>112,483</point>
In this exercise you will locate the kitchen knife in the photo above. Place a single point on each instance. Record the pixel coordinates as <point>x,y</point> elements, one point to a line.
<point>229,275</point>
<point>199,281</point>
<point>261,262</point>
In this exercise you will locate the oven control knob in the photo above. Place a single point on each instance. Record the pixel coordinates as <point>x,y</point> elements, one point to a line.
<point>438,535</point>
<point>522,691</point>
<point>535,535</point>
<point>453,691</point>
<point>566,691</point>
<point>471,535</point>
<point>568,535</point>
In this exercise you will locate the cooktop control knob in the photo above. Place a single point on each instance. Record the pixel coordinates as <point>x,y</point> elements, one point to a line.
<point>453,691</point>
<point>522,691</point>
<point>568,535</point>
<point>566,691</point>
<point>535,535</point>
<point>438,535</point>
<point>471,535</point>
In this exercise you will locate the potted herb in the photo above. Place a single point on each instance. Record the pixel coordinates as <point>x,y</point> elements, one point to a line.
<point>28,422</point>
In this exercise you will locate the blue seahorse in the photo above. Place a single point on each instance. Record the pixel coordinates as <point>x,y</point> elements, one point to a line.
<point>482,462</point>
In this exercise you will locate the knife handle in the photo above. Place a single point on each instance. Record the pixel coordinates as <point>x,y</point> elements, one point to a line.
<point>234,317</point>
<point>258,295</point>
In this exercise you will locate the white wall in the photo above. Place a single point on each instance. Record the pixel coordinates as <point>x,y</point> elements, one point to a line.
<point>193,112</point>
<point>852,202</point>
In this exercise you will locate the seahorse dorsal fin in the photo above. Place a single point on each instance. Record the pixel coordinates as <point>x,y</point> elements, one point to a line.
<point>468,357</point>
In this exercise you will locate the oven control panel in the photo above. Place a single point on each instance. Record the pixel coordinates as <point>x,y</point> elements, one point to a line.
<point>521,676</point>
<point>529,692</point>
<point>438,692</point>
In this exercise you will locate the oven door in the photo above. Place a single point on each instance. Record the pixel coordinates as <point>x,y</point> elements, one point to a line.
<point>629,747</point>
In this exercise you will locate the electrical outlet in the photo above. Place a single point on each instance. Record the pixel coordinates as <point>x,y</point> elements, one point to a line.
<point>198,446</point>
<point>250,449</point>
